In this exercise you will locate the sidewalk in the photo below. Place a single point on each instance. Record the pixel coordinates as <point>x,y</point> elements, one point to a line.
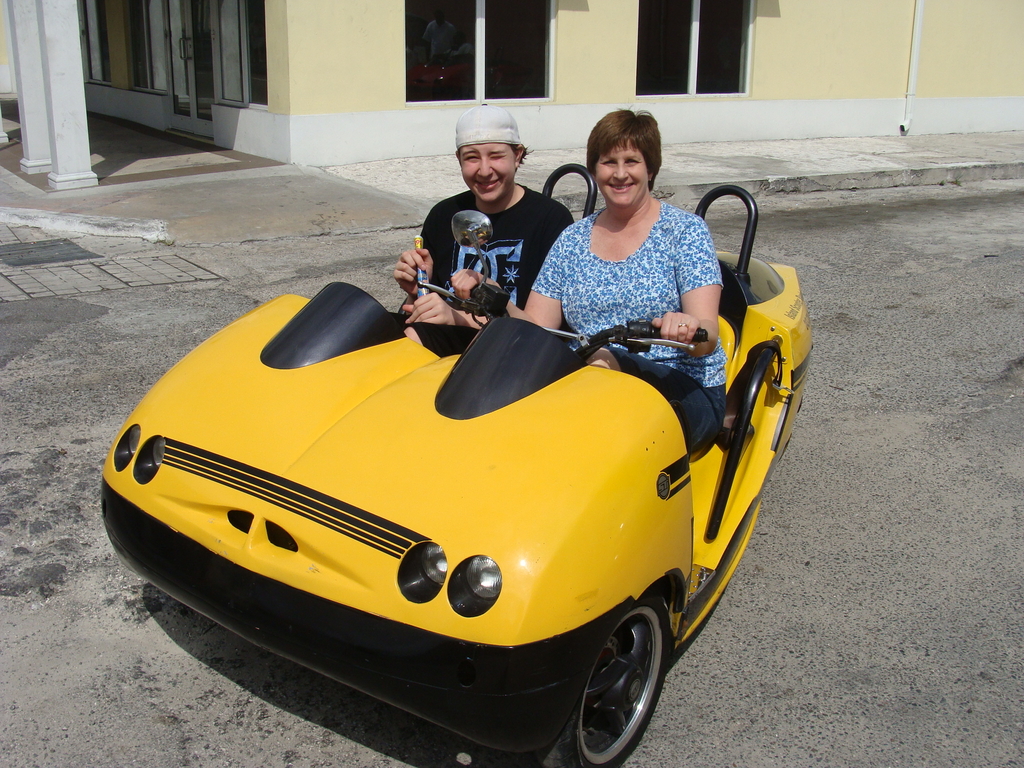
<point>166,188</point>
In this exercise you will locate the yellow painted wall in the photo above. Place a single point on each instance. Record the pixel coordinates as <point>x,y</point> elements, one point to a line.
<point>331,56</point>
<point>278,72</point>
<point>972,48</point>
<point>336,56</point>
<point>342,56</point>
<point>3,36</point>
<point>833,49</point>
<point>595,51</point>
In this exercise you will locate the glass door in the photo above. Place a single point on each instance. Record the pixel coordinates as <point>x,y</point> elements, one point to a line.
<point>191,66</point>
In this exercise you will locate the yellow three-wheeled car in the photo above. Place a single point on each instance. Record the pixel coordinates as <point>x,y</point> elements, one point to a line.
<point>529,596</point>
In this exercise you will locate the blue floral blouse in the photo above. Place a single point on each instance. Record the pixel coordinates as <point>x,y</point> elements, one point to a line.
<point>677,256</point>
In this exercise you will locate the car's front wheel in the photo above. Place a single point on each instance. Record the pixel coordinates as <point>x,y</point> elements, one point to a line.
<point>621,694</point>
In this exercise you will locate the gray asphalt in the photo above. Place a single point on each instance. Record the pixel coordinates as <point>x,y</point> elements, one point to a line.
<point>876,619</point>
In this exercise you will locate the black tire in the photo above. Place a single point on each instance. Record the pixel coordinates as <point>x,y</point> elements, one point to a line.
<point>621,694</point>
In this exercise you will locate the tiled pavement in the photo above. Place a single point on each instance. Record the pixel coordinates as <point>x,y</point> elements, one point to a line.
<point>100,273</point>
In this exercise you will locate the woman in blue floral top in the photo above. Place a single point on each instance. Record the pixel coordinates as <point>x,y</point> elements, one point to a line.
<point>640,259</point>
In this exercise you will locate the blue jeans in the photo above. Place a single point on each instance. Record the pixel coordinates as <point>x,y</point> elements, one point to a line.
<point>704,407</point>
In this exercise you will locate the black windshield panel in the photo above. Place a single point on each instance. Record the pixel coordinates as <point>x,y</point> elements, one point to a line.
<point>764,283</point>
<point>338,320</point>
<point>509,360</point>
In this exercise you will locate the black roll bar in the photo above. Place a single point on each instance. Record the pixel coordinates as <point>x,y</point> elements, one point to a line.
<point>565,170</point>
<point>763,354</point>
<point>743,262</point>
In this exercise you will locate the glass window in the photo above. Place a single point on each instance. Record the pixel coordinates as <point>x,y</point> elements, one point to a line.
<point>257,26</point>
<point>148,44</point>
<point>692,46</point>
<point>201,51</point>
<point>442,57</point>
<point>720,51</point>
<point>516,50</point>
<point>232,53</point>
<point>663,47</point>
<point>242,62</point>
<point>94,40</point>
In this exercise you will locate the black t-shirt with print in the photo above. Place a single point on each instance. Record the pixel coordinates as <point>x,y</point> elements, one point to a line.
<point>523,235</point>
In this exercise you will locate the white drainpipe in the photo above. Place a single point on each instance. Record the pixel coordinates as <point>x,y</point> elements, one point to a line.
<point>915,58</point>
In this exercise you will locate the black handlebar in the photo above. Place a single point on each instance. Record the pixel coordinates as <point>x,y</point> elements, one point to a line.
<point>628,335</point>
<point>644,329</point>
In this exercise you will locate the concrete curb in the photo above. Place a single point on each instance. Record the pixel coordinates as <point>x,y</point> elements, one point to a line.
<point>153,230</point>
<point>955,173</point>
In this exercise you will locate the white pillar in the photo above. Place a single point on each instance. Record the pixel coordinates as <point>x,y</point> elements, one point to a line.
<point>26,53</point>
<point>64,87</point>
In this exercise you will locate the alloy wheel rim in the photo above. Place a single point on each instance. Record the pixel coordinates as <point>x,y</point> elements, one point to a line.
<point>621,687</point>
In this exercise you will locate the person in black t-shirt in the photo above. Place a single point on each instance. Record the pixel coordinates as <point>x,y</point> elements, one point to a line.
<point>525,222</point>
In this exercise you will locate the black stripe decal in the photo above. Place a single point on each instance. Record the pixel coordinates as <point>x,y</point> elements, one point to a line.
<point>358,524</point>
<point>797,377</point>
<point>678,488</point>
<point>678,469</point>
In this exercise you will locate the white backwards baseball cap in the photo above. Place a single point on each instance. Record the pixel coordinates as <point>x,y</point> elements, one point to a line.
<point>485,125</point>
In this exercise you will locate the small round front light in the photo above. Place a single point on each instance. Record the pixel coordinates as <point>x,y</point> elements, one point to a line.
<point>435,564</point>
<point>474,586</point>
<point>126,447</point>
<point>149,459</point>
<point>484,577</point>
<point>422,572</point>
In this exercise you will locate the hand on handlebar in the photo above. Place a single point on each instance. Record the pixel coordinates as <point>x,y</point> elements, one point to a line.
<point>408,263</point>
<point>430,308</point>
<point>678,326</point>
<point>639,335</point>
<point>464,281</point>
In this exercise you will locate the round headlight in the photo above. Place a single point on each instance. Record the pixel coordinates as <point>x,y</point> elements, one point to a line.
<point>149,459</point>
<point>126,447</point>
<point>422,572</point>
<point>474,586</point>
<point>484,577</point>
<point>435,564</point>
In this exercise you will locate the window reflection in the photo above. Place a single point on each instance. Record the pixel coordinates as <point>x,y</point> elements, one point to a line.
<point>95,47</point>
<point>664,56</point>
<point>663,47</point>
<point>257,23</point>
<point>517,47</point>
<point>440,42</point>
<point>441,49</point>
<point>148,44</point>
<point>723,25</point>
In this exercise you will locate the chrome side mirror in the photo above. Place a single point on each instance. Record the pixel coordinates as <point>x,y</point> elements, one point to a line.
<point>473,229</point>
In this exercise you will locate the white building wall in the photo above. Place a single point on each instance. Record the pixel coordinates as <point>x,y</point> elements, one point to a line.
<point>356,137</point>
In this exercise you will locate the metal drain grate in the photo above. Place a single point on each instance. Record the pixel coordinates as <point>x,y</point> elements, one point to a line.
<point>43,252</point>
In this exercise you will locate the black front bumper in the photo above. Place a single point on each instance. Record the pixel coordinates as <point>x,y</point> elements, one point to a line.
<point>515,698</point>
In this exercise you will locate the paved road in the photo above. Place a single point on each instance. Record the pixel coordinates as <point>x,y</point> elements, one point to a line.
<point>876,619</point>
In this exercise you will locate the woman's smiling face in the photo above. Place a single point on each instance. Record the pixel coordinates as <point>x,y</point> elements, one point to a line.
<point>622,177</point>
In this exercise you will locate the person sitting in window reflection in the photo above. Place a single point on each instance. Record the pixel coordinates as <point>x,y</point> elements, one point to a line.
<point>440,34</point>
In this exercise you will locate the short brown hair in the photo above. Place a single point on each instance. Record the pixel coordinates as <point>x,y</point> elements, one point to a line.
<point>626,128</point>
